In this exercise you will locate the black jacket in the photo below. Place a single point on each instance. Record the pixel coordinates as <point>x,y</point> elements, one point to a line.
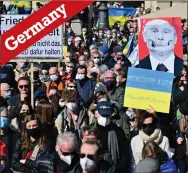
<point>29,166</point>
<point>178,64</point>
<point>103,167</point>
<point>9,139</point>
<point>15,105</point>
<point>53,164</point>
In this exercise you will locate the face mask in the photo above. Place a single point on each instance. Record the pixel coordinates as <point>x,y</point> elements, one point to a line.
<point>129,114</point>
<point>93,39</point>
<point>61,104</point>
<point>21,65</point>
<point>66,159</point>
<point>100,34</point>
<point>7,95</point>
<point>185,62</point>
<point>69,70</point>
<point>3,122</point>
<point>44,72</point>
<point>84,33</point>
<point>87,164</point>
<point>149,129</point>
<point>82,62</point>
<point>53,77</point>
<point>108,36</point>
<point>108,84</point>
<point>80,76</point>
<point>120,53</point>
<point>35,133</point>
<point>67,59</point>
<point>96,60</point>
<point>72,106</point>
<point>69,43</point>
<point>103,121</point>
<point>61,73</point>
<point>104,35</point>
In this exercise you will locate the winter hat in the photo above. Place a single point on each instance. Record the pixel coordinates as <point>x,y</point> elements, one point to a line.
<point>148,165</point>
<point>104,108</point>
<point>103,49</point>
<point>3,152</point>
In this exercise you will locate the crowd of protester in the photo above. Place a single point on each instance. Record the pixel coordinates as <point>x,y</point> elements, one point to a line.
<point>76,122</point>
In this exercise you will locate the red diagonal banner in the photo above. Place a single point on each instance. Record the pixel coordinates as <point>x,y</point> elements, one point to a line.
<point>36,26</point>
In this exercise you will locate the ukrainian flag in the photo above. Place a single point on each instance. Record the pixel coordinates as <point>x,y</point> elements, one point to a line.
<point>120,14</point>
<point>129,47</point>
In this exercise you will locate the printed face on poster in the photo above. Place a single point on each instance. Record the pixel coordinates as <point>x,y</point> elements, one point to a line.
<point>160,45</point>
<point>146,87</point>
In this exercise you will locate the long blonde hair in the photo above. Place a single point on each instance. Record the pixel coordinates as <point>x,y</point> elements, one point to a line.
<point>183,124</point>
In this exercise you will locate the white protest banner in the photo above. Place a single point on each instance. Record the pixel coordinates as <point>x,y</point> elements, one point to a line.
<point>48,47</point>
<point>133,58</point>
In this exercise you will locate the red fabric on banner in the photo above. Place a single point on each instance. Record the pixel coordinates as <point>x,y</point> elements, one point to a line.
<point>6,54</point>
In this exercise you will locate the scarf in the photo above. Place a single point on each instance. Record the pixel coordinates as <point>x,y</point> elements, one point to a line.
<point>156,136</point>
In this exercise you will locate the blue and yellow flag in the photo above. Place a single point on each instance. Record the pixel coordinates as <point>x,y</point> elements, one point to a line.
<point>129,47</point>
<point>120,14</point>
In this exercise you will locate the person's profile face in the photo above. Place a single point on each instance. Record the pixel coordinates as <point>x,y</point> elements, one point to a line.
<point>160,38</point>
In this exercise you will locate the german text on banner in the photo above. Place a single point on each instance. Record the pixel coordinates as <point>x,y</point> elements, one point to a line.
<point>147,87</point>
<point>36,26</point>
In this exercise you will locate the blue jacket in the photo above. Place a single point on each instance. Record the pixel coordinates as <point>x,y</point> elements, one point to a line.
<point>169,166</point>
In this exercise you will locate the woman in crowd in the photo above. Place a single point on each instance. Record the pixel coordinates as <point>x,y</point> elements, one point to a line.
<point>45,112</point>
<point>71,85</point>
<point>148,131</point>
<point>152,150</point>
<point>180,139</point>
<point>31,145</point>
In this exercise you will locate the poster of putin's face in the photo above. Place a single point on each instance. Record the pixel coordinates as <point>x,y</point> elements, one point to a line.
<point>160,45</point>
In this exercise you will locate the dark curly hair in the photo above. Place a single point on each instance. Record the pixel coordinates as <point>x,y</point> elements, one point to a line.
<point>68,95</point>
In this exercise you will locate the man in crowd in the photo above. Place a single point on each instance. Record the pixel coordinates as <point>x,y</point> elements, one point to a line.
<point>5,90</point>
<point>23,97</point>
<point>55,80</point>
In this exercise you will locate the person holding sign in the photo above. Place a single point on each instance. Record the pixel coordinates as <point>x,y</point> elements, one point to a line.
<point>161,37</point>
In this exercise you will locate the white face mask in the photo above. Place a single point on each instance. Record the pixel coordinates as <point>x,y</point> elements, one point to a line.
<point>67,59</point>
<point>22,64</point>
<point>80,76</point>
<point>61,73</point>
<point>61,104</point>
<point>69,70</point>
<point>185,62</point>
<point>82,62</point>
<point>72,106</point>
<point>96,60</point>
<point>53,77</point>
<point>103,121</point>
<point>44,72</point>
<point>87,164</point>
<point>66,159</point>
<point>129,114</point>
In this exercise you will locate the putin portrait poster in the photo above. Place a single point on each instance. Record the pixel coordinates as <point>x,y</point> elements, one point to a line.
<point>160,44</point>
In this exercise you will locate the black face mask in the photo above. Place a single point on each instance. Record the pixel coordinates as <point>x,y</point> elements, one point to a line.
<point>46,127</point>
<point>35,133</point>
<point>149,129</point>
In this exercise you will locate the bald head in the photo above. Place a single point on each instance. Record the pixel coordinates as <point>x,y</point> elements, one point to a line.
<point>53,70</point>
<point>5,89</point>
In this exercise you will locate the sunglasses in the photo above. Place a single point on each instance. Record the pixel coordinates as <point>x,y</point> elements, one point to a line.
<point>70,66</point>
<point>71,86</point>
<point>23,86</point>
<point>95,57</point>
<point>89,156</point>
<point>67,153</point>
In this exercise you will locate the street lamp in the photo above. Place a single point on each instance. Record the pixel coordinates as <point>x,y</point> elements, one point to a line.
<point>103,15</point>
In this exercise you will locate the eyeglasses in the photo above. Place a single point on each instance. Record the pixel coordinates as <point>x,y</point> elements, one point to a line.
<point>89,156</point>
<point>23,86</point>
<point>67,153</point>
<point>71,86</point>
